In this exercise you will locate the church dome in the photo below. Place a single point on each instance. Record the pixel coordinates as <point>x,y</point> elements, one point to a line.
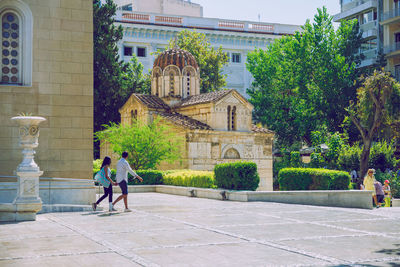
<point>177,57</point>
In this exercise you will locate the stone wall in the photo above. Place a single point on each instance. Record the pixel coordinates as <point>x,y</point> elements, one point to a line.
<point>61,91</point>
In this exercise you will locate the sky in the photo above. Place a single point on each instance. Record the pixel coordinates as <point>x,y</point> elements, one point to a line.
<point>273,11</point>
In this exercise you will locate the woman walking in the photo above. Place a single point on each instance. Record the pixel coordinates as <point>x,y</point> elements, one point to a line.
<point>369,181</point>
<point>106,182</point>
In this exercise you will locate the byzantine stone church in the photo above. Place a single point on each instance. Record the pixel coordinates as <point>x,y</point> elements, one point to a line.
<point>217,126</point>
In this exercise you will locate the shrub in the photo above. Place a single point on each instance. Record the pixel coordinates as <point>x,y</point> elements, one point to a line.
<point>349,157</point>
<point>382,156</point>
<point>313,179</point>
<point>150,177</point>
<point>238,175</point>
<point>189,178</point>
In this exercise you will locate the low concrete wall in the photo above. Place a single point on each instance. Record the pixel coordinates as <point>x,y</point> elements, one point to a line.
<point>330,198</point>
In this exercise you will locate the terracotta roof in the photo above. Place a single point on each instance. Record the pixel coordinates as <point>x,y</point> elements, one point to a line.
<point>152,101</point>
<point>185,121</point>
<point>204,98</point>
<point>256,129</point>
<point>177,57</point>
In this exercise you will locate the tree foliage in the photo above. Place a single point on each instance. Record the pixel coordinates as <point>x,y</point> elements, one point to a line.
<point>113,80</point>
<point>304,82</point>
<point>147,145</point>
<point>108,90</point>
<point>210,60</point>
<point>377,107</point>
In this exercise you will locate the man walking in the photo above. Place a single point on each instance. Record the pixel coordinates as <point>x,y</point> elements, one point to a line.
<point>122,179</point>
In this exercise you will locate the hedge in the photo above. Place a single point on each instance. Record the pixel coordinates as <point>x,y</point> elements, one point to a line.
<point>150,177</point>
<point>313,179</point>
<point>189,178</point>
<point>238,175</point>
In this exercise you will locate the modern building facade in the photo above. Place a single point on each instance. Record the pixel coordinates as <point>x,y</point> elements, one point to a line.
<point>380,22</point>
<point>150,31</point>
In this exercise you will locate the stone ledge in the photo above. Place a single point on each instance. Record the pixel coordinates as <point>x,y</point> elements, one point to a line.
<point>330,198</point>
<point>67,208</point>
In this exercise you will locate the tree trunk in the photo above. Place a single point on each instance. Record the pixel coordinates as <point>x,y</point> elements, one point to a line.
<point>364,158</point>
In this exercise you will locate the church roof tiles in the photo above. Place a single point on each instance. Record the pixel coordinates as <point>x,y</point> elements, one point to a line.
<point>204,98</point>
<point>152,101</point>
<point>185,121</point>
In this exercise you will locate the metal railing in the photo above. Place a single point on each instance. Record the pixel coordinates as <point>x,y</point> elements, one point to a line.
<point>391,48</point>
<point>391,14</point>
<point>354,4</point>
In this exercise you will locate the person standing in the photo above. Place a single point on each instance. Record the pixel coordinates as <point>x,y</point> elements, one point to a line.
<point>368,183</point>
<point>380,195</point>
<point>106,182</point>
<point>122,179</point>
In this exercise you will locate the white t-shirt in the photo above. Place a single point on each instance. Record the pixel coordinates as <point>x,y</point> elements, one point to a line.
<point>122,171</point>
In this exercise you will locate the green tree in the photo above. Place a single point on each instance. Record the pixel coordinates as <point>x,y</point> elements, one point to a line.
<point>210,60</point>
<point>107,68</point>
<point>377,107</point>
<point>304,82</point>
<point>147,145</point>
<point>133,79</point>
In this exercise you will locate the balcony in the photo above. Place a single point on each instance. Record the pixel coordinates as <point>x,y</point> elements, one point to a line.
<point>390,16</point>
<point>355,7</point>
<point>204,23</point>
<point>392,50</point>
<point>369,30</point>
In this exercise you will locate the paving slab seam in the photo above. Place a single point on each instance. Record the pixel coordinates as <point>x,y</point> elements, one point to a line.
<point>327,259</point>
<point>55,255</point>
<point>190,245</point>
<point>112,247</point>
<point>30,236</point>
<point>334,227</point>
<point>145,231</point>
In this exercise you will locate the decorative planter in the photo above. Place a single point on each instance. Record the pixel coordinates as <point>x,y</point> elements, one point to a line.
<point>27,202</point>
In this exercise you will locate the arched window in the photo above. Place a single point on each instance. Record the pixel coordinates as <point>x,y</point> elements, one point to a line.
<point>233,121</point>
<point>188,83</point>
<point>16,31</point>
<point>157,84</point>
<point>171,83</point>
<point>133,115</point>
<point>229,117</point>
<point>10,48</point>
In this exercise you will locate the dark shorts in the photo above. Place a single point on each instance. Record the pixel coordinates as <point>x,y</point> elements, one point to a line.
<point>380,198</point>
<point>124,187</point>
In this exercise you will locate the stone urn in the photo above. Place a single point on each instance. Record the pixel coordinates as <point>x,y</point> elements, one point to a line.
<point>27,200</point>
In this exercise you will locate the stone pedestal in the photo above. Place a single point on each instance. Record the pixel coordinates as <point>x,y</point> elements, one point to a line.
<point>27,202</point>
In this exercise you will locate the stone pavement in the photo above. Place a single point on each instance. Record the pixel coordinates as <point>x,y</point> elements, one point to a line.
<point>168,230</point>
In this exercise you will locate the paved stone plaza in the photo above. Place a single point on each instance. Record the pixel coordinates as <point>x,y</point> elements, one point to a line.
<point>168,230</point>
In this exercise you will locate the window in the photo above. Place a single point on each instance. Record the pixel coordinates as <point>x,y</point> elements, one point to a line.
<point>10,49</point>
<point>171,83</point>
<point>236,57</point>
<point>141,52</point>
<point>16,34</point>
<point>188,84</point>
<point>367,17</point>
<point>229,117</point>
<point>127,51</point>
<point>233,121</point>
